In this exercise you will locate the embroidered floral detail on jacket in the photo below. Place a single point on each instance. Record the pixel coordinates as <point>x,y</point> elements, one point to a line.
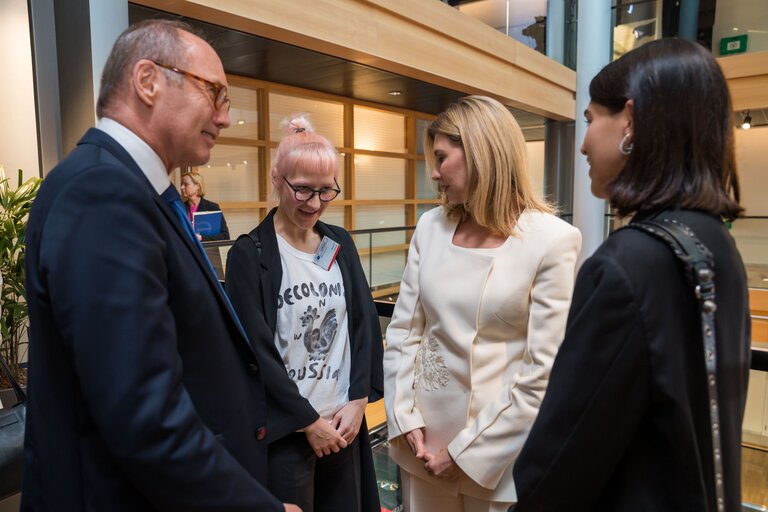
<point>430,369</point>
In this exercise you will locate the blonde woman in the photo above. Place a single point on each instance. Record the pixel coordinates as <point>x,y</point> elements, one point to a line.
<point>480,315</point>
<point>193,192</point>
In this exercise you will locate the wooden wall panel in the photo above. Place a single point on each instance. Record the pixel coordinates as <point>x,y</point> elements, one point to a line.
<point>758,305</point>
<point>747,76</point>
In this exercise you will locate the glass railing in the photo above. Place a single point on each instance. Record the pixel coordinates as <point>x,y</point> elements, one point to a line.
<point>751,236</point>
<point>383,252</point>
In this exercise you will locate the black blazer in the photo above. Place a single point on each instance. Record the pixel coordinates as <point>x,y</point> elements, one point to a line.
<point>625,422</point>
<point>143,392</point>
<point>253,283</point>
<point>209,206</point>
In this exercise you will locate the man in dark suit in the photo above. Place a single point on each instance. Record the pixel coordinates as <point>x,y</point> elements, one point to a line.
<point>144,391</point>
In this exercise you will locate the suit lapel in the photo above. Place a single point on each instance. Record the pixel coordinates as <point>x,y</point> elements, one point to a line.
<point>201,260</point>
<point>101,139</point>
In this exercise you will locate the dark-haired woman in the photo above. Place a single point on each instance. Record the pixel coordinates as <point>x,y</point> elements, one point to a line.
<point>625,423</point>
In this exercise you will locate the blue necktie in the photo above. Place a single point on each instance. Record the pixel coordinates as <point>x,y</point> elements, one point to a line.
<point>171,196</point>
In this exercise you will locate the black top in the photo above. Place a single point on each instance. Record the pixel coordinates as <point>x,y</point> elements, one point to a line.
<point>625,422</point>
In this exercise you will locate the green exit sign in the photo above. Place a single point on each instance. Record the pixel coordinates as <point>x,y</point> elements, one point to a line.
<point>735,44</point>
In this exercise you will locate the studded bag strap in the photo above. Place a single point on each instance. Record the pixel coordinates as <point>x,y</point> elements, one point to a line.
<point>698,264</point>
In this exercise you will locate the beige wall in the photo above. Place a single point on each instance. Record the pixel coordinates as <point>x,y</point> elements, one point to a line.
<point>737,17</point>
<point>752,154</point>
<point>536,164</point>
<point>18,133</point>
<point>752,157</point>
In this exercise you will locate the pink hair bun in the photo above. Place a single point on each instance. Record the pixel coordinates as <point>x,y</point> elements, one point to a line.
<point>296,123</point>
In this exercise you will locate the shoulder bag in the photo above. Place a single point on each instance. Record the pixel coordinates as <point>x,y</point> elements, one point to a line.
<point>12,438</point>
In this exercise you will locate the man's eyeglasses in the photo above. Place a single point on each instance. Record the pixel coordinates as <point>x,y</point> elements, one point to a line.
<point>302,193</point>
<point>218,91</point>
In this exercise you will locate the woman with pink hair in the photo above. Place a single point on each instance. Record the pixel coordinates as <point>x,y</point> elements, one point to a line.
<point>300,291</point>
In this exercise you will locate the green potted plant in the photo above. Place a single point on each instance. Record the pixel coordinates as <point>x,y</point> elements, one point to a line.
<point>15,204</point>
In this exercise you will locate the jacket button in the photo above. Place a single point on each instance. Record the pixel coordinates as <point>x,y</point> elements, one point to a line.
<point>253,369</point>
<point>261,433</point>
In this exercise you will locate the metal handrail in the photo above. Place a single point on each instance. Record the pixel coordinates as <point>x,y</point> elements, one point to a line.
<point>370,231</point>
<point>759,356</point>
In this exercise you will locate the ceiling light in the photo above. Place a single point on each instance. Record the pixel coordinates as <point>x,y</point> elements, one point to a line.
<point>395,93</point>
<point>245,162</point>
<point>735,29</point>
<point>649,29</point>
<point>747,124</point>
<point>241,121</point>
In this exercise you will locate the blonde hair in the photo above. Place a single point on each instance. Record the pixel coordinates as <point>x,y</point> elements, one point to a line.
<point>197,179</point>
<point>499,185</point>
<point>302,147</point>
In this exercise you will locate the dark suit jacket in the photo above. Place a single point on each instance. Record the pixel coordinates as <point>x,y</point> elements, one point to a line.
<point>253,284</point>
<point>625,422</point>
<point>209,206</point>
<point>143,394</point>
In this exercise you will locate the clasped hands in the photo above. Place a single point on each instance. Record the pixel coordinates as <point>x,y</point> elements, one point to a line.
<point>440,464</point>
<point>325,437</point>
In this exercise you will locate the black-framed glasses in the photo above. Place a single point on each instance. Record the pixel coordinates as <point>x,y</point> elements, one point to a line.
<point>302,193</point>
<point>218,91</point>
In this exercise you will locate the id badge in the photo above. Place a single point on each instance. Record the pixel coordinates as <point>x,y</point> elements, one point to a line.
<point>326,253</point>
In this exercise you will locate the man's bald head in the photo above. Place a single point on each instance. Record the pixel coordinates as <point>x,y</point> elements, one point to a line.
<point>159,40</point>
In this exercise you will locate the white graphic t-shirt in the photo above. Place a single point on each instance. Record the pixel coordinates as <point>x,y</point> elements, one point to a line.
<point>312,335</point>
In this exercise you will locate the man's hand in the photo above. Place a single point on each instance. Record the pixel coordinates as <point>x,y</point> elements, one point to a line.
<point>291,508</point>
<point>415,440</point>
<point>348,419</point>
<point>442,465</point>
<point>323,438</point>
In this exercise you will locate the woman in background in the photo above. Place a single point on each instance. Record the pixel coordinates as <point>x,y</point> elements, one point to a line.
<point>309,312</point>
<point>625,424</point>
<point>193,194</point>
<point>479,318</point>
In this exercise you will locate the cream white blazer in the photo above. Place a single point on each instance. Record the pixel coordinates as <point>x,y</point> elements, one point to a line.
<point>471,344</point>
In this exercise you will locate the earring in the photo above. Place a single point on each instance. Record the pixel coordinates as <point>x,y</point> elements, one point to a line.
<point>624,148</point>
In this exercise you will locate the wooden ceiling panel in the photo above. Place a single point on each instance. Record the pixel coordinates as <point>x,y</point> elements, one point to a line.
<point>272,61</point>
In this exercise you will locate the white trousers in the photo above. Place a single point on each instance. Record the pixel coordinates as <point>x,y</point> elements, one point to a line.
<point>421,496</point>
